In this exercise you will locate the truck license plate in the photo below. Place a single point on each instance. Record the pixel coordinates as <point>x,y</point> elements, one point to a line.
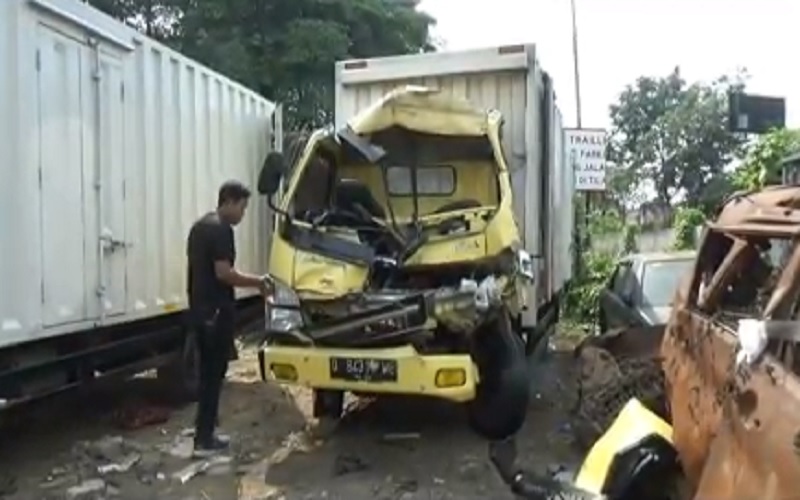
<point>364,369</point>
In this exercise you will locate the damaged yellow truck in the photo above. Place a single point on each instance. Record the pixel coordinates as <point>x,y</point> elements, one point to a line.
<point>400,250</point>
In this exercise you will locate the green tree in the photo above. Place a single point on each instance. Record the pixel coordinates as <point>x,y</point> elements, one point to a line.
<point>155,18</point>
<point>762,164</point>
<point>284,49</point>
<point>673,134</point>
<point>687,220</point>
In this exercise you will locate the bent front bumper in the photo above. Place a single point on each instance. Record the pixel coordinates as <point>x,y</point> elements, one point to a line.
<point>400,370</point>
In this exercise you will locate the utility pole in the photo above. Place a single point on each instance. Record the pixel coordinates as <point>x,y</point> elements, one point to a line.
<point>576,68</point>
<point>575,64</point>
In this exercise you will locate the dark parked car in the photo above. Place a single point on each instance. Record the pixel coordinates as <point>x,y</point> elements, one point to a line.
<point>641,289</point>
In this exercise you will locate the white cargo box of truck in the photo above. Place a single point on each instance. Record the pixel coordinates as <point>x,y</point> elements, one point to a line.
<point>510,80</point>
<point>112,146</point>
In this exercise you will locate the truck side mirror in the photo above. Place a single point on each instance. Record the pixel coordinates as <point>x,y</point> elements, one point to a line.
<point>269,179</point>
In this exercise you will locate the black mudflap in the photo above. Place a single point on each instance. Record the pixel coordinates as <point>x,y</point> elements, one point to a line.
<point>501,403</point>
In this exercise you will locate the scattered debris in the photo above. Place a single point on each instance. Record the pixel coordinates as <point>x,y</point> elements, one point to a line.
<point>109,448</point>
<point>181,447</point>
<point>192,470</point>
<point>348,464</point>
<point>122,466</point>
<point>401,436</point>
<point>188,472</point>
<point>54,483</point>
<point>86,489</point>
<point>149,464</point>
<point>220,467</point>
<point>271,458</point>
<point>57,471</point>
<point>406,486</point>
<point>561,473</point>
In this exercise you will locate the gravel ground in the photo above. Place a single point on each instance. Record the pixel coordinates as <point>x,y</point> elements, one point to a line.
<point>394,448</point>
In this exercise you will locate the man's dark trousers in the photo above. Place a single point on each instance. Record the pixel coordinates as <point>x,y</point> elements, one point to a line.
<point>214,341</point>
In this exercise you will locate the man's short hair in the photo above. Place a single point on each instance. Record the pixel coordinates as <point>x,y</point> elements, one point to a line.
<point>232,191</point>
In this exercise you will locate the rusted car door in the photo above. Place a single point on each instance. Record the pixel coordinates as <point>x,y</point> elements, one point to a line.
<point>737,430</point>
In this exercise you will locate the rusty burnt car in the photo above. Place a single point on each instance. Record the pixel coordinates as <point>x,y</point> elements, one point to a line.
<point>723,376</point>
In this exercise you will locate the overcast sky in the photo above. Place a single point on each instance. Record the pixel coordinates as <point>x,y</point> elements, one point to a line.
<point>620,40</point>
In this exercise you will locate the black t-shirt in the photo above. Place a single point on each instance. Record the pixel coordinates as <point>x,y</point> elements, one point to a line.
<point>210,240</point>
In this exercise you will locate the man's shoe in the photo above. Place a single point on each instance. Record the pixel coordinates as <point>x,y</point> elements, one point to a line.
<point>208,448</point>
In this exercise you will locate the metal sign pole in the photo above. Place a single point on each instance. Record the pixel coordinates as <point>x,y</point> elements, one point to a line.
<point>587,195</point>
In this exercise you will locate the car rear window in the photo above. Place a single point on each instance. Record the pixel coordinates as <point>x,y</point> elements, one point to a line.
<point>661,278</point>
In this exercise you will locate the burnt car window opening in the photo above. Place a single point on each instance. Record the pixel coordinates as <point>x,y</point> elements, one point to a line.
<point>748,286</point>
<point>750,280</point>
<point>660,279</point>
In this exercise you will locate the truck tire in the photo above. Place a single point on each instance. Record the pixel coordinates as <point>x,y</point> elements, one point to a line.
<point>501,401</point>
<point>182,378</point>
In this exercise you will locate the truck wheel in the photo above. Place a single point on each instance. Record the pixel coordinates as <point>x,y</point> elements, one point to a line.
<point>328,403</point>
<point>182,377</point>
<point>501,402</point>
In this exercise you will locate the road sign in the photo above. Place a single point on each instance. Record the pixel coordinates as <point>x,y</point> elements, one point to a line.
<point>586,150</point>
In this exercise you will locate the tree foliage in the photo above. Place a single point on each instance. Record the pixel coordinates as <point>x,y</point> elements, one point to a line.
<point>673,134</point>
<point>284,49</point>
<point>687,220</point>
<point>630,239</point>
<point>582,298</point>
<point>762,164</point>
<point>593,271</point>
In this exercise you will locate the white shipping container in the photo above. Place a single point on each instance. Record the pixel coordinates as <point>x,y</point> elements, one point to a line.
<point>510,80</point>
<point>563,188</point>
<point>112,145</point>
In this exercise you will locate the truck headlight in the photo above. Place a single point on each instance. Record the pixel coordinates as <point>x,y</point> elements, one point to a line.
<point>282,311</point>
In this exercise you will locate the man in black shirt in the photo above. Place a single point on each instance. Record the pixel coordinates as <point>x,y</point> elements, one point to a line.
<point>212,277</point>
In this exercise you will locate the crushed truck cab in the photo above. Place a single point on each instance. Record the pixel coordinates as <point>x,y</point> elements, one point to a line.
<point>404,272</point>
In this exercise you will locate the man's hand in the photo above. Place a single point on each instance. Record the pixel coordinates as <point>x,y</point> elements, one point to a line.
<point>226,273</point>
<point>267,286</point>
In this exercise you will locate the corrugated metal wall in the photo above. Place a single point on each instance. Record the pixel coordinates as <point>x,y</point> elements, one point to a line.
<point>109,134</point>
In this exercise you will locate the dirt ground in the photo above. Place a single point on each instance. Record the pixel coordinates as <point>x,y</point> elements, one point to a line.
<point>394,448</point>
